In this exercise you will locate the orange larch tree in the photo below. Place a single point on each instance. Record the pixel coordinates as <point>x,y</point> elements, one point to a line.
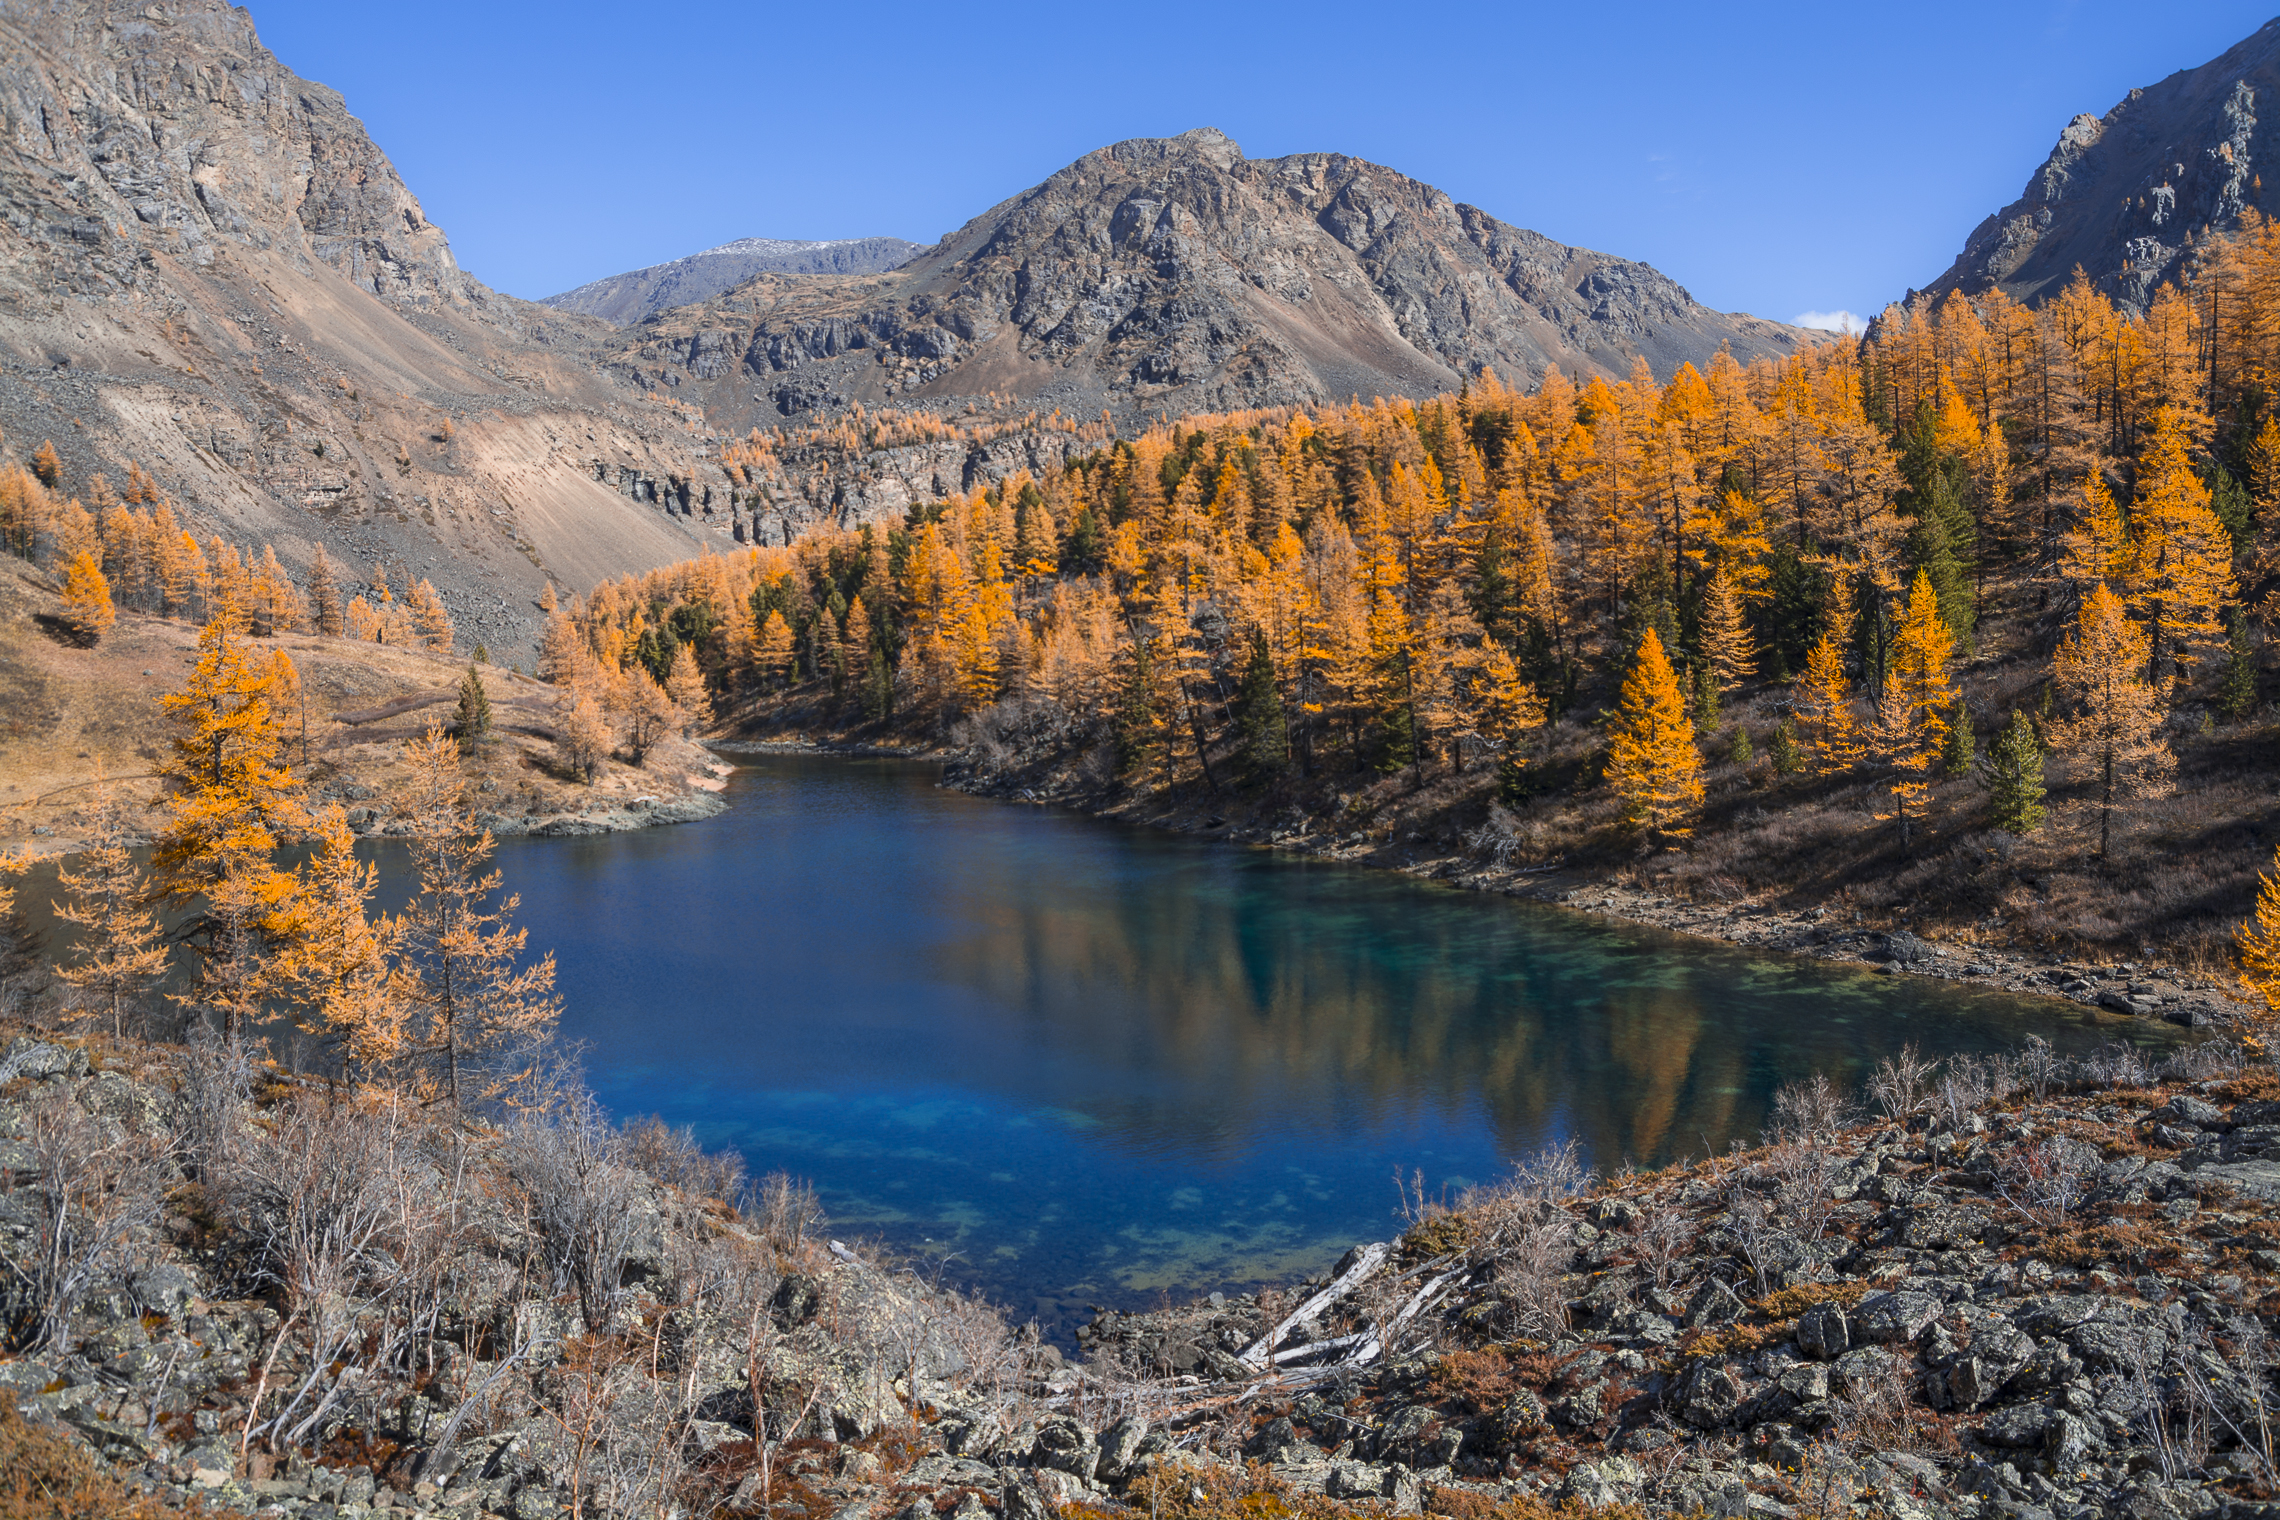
<point>1652,762</point>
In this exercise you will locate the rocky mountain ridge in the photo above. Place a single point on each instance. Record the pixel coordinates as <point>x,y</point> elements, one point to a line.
<point>209,268</point>
<point>637,293</point>
<point>2127,195</point>
<point>1170,275</point>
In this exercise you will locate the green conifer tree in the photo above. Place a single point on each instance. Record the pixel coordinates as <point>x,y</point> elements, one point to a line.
<point>879,687</point>
<point>1739,751</point>
<point>474,710</point>
<point>1932,546</point>
<point>2238,699</point>
<point>1396,738</point>
<point>1265,738</point>
<point>2230,501</point>
<point>1705,696</point>
<point>2015,777</point>
<point>1959,756</point>
<point>1085,549</point>
<point>1513,785</point>
<point>1788,757</point>
<point>1137,725</point>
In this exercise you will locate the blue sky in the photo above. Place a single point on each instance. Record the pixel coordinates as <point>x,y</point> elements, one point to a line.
<point>1777,159</point>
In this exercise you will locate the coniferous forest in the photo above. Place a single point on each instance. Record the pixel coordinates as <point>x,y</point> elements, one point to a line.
<point>1972,609</point>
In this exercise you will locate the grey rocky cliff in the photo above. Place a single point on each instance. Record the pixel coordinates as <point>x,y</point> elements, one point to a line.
<point>1173,274</point>
<point>209,268</point>
<point>2126,195</point>
<point>638,293</point>
<point>170,127</point>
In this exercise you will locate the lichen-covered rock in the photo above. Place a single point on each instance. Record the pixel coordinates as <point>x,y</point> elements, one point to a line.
<point>38,1060</point>
<point>1823,1331</point>
<point>1895,1317</point>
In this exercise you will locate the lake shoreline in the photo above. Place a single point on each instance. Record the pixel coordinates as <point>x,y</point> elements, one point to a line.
<point>2126,991</point>
<point>645,811</point>
<point>2130,991</point>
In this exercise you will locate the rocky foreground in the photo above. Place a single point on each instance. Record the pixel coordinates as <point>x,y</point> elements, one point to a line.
<point>2029,1288</point>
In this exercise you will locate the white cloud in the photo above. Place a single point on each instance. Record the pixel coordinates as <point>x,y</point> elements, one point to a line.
<point>1831,321</point>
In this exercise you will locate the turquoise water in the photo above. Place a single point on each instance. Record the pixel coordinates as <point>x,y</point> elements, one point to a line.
<point>1076,1063</point>
<point>1090,1064</point>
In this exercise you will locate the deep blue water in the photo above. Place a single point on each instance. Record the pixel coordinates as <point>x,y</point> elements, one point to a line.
<point>1093,1063</point>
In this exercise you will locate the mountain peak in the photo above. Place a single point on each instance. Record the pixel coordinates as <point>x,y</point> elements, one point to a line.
<point>1174,274</point>
<point>1211,143</point>
<point>629,297</point>
<point>2125,195</point>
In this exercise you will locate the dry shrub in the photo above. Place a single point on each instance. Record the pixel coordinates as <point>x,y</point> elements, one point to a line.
<point>46,1475</point>
<point>1498,841</point>
<point>785,1210</point>
<point>1756,1233</point>
<point>1524,1231</point>
<point>1789,1303</point>
<point>2228,1389</point>
<point>614,1437</point>
<point>1826,1482</point>
<point>1804,1174</point>
<point>2116,1064</point>
<point>1481,1380</point>
<point>1901,1084</point>
<point>321,1203</point>
<point>2204,1062</point>
<point>95,1197</point>
<point>673,1157</point>
<point>2047,1179</point>
<point>1969,1084</point>
<point>1815,1110</point>
<point>2039,1068</point>
<point>216,1093</point>
<point>1664,1236</point>
<point>582,1198</point>
<point>1877,1411</point>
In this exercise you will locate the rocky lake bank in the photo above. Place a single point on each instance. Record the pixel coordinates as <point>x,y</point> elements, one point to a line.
<point>2134,988</point>
<point>2025,1287</point>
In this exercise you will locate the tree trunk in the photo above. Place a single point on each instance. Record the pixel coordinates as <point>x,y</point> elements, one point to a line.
<point>2105,803</point>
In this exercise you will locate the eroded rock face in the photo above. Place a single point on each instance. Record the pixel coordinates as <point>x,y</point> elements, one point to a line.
<point>2122,194</point>
<point>177,120</point>
<point>1175,274</point>
<point>210,269</point>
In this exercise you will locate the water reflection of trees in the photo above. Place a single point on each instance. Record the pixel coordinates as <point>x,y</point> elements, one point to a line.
<point>1265,1000</point>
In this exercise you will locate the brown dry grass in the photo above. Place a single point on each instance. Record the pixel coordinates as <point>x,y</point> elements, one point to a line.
<point>70,715</point>
<point>1789,1303</point>
<point>46,1475</point>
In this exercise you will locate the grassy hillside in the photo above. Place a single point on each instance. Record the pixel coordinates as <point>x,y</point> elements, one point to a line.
<point>72,715</point>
